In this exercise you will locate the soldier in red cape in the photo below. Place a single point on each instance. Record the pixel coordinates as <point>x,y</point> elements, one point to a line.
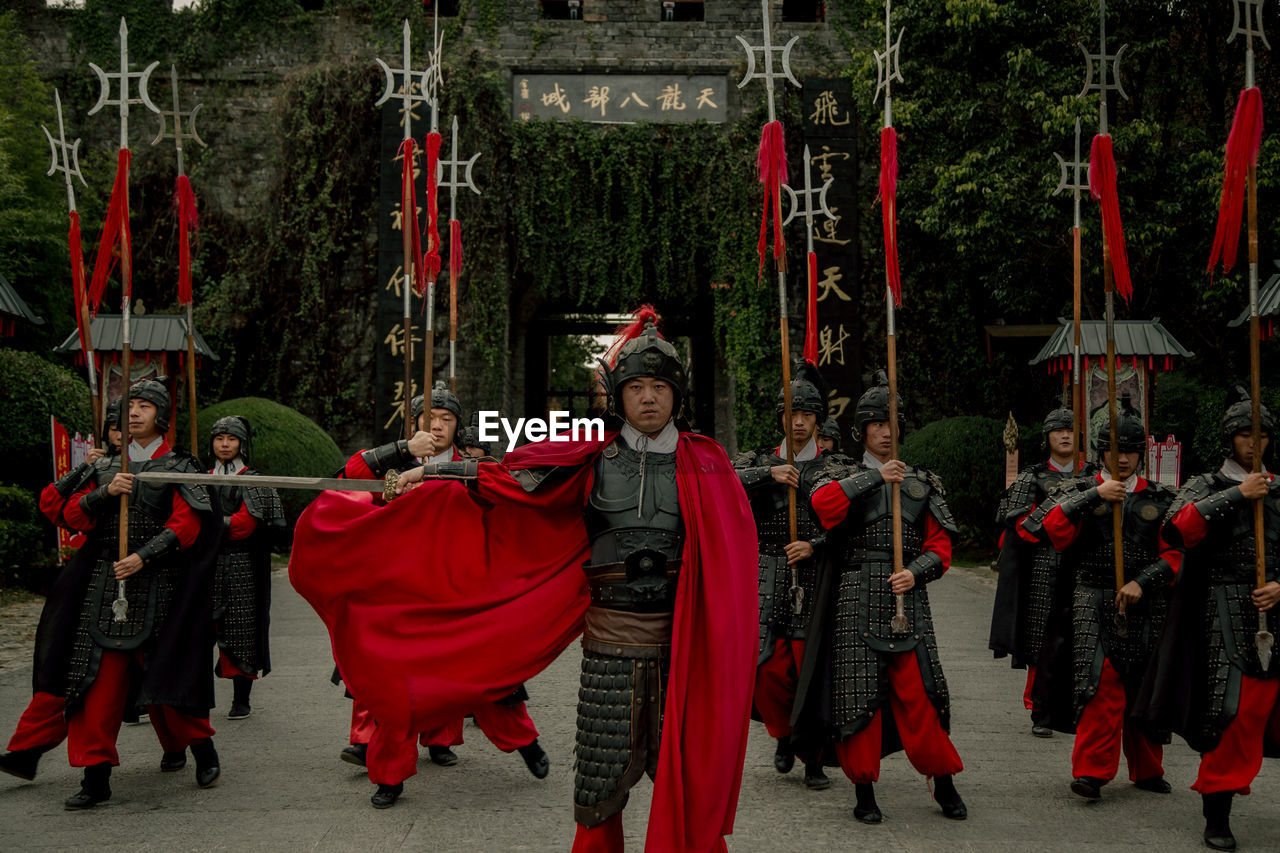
<point>427,627</point>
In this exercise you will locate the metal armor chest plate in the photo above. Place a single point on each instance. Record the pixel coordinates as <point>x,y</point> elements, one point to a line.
<point>637,535</point>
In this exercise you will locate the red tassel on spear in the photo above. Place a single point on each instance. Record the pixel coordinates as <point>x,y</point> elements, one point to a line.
<point>455,250</point>
<point>115,232</point>
<point>432,256</point>
<point>77,279</point>
<point>1102,185</point>
<point>409,215</point>
<point>889,209</point>
<point>1242,151</point>
<point>184,202</point>
<point>771,163</point>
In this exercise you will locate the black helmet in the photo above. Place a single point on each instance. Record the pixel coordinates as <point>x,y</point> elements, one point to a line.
<point>236,425</point>
<point>415,407</point>
<point>1131,432</point>
<point>154,392</point>
<point>442,398</point>
<point>830,428</point>
<point>1239,417</point>
<point>645,353</point>
<point>873,407</point>
<point>808,394</point>
<point>469,436</point>
<point>112,418</point>
<point>1055,420</point>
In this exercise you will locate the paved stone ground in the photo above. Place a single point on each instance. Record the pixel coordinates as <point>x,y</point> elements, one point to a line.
<point>283,787</point>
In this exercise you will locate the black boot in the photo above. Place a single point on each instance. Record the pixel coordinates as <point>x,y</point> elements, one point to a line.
<point>21,763</point>
<point>1154,784</point>
<point>242,684</point>
<point>946,795</point>
<point>814,778</point>
<point>173,761</point>
<point>442,755</point>
<point>1217,820</point>
<point>535,758</point>
<point>784,757</point>
<point>386,795</point>
<point>866,809</point>
<point>94,788</point>
<point>1088,787</point>
<point>208,769</point>
<point>355,754</point>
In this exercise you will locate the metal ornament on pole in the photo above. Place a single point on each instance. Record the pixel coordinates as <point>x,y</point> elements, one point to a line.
<point>432,80</point>
<point>767,51</point>
<point>177,135</point>
<point>1102,58</point>
<point>407,99</point>
<point>450,168</point>
<point>1078,182</point>
<point>888,69</point>
<point>1263,640</point>
<point>66,159</point>
<point>802,205</point>
<point>120,607</point>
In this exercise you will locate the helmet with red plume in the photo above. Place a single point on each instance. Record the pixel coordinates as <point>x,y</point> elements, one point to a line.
<point>641,351</point>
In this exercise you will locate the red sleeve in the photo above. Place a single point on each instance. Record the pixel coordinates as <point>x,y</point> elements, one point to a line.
<point>1022,534</point>
<point>356,469</point>
<point>937,540</point>
<point>831,504</point>
<point>51,502</point>
<point>1061,531</point>
<point>1173,556</point>
<point>183,521</point>
<point>74,516</point>
<point>242,524</point>
<point>1191,526</point>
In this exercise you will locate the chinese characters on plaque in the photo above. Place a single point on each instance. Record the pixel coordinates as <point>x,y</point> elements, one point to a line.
<point>830,131</point>
<point>619,98</point>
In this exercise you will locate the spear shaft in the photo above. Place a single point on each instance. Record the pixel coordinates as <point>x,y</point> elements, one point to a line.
<point>432,82</point>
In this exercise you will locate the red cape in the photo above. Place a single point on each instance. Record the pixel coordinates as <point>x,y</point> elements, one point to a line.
<point>424,629</point>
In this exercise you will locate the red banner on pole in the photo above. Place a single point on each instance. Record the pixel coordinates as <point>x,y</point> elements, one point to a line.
<point>68,452</point>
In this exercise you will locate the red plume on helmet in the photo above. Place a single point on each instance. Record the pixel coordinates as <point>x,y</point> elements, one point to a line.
<point>644,315</point>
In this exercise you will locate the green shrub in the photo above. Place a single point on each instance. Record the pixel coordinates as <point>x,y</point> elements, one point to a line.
<point>32,389</point>
<point>285,443</point>
<point>968,454</point>
<point>24,542</point>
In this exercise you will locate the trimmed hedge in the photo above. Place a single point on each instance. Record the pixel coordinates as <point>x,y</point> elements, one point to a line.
<point>32,389</point>
<point>285,442</point>
<point>968,454</point>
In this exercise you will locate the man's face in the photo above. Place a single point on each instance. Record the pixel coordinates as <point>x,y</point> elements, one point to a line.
<point>647,403</point>
<point>443,426</point>
<point>1242,447</point>
<point>1126,463</point>
<point>878,440</point>
<point>826,445</point>
<point>142,420</point>
<point>1060,443</point>
<point>803,425</point>
<point>114,437</point>
<point>226,447</point>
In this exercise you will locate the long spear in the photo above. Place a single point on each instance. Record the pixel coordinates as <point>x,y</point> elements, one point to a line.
<point>184,201</point>
<point>1077,185</point>
<point>411,236</point>
<point>888,69</point>
<point>771,161</point>
<point>455,239</point>
<point>1241,167</point>
<point>66,159</point>
<point>118,221</point>
<point>1115,262</point>
<point>432,79</point>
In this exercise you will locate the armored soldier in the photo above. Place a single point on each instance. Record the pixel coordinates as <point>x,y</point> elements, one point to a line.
<point>253,519</point>
<point>506,723</point>
<point>829,436</point>
<point>469,439</point>
<point>1210,682</point>
<point>1029,587</point>
<point>43,725</point>
<point>667,539</point>
<point>787,572</point>
<point>160,632</point>
<point>873,667</point>
<point>1090,687</point>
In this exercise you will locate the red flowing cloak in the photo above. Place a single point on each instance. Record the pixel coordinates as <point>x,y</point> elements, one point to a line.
<point>425,628</point>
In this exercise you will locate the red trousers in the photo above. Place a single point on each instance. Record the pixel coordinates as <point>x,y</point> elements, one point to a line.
<point>363,724</point>
<point>928,746</point>
<point>42,725</point>
<point>776,686</point>
<point>226,669</point>
<point>607,838</point>
<point>1031,683</point>
<point>1101,734</point>
<point>393,757</point>
<point>1236,760</point>
<point>92,731</point>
